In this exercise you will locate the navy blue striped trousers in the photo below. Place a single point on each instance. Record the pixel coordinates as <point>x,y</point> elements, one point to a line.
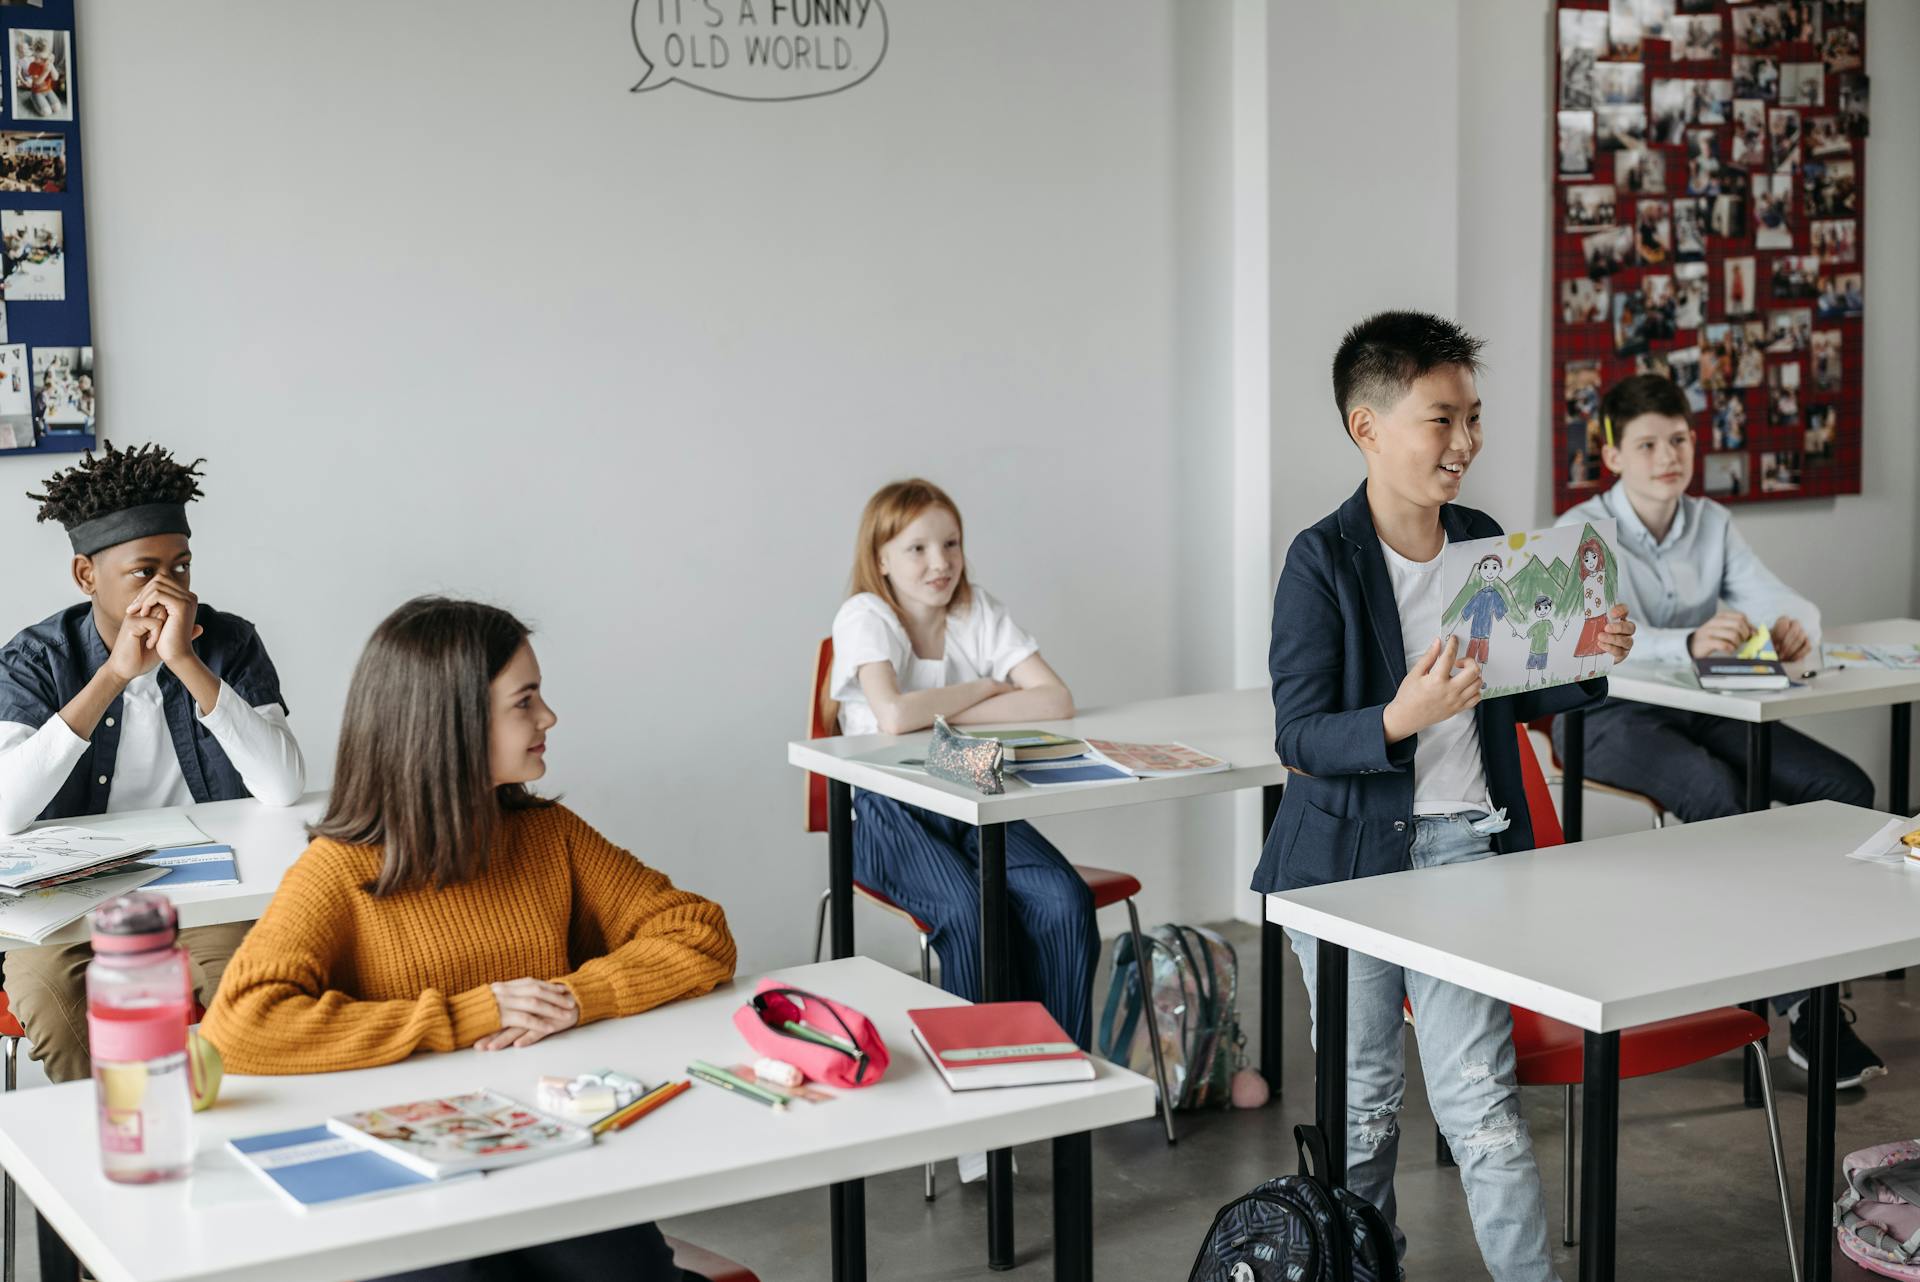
<point>930,866</point>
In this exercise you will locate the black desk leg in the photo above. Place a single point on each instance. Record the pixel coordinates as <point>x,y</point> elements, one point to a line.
<point>1599,1156</point>
<point>1823,1068</point>
<point>1759,765</point>
<point>1330,1055</point>
<point>849,1200</point>
<point>996,985</point>
<point>1573,774</point>
<point>840,865</point>
<point>1073,1207</point>
<point>1899,799</point>
<point>1273,969</point>
<point>1759,797</point>
<point>849,1209</point>
<point>57,1260</point>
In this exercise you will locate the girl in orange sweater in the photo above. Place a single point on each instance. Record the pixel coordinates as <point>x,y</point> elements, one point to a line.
<point>442,905</point>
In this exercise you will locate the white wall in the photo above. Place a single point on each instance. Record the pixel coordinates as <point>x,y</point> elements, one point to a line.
<point>448,309</point>
<point>1365,169</point>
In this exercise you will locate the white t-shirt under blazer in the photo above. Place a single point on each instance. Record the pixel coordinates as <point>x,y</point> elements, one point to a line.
<point>982,641</point>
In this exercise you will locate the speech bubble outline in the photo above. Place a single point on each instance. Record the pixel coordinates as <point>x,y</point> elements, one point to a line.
<point>643,85</point>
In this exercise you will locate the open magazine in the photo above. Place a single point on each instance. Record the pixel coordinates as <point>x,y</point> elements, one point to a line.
<point>38,914</point>
<point>44,856</point>
<point>451,1135</point>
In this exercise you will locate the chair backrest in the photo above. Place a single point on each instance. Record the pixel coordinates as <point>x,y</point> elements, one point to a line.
<point>1546,821</point>
<point>823,720</point>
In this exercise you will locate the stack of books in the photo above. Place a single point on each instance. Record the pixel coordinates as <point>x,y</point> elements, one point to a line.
<point>56,874</point>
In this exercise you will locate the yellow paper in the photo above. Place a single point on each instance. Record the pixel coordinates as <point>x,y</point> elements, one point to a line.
<point>125,1085</point>
<point>1758,646</point>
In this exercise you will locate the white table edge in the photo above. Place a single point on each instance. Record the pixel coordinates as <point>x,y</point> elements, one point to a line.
<point>1115,1096</point>
<point>1027,802</point>
<point>799,1173</point>
<point>1585,1012</point>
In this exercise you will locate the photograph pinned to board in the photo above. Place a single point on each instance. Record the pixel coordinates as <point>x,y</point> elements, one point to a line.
<point>16,399</point>
<point>36,255</point>
<point>33,162</point>
<point>42,74</point>
<point>1531,605</point>
<point>1726,475</point>
<point>1575,143</point>
<point>63,389</point>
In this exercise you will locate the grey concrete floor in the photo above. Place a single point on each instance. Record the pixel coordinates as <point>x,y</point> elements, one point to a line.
<point>1696,1190</point>
<point>1696,1187</point>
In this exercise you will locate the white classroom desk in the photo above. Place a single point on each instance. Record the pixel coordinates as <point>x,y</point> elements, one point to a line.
<point>1234,725</point>
<point>703,1150</point>
<point>1832,690</point>
<point>265,839</point>
<point>1615,933</point>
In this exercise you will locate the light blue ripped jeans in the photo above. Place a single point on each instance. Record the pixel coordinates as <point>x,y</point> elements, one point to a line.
<point>1466,1052</point>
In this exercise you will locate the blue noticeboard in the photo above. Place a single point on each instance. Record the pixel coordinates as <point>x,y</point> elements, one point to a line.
<point>47,370</point>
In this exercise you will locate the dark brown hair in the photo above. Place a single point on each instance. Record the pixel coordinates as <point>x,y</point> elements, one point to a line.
<point>1640,394</point>
<point>412,773</point>
<point>114,480</point>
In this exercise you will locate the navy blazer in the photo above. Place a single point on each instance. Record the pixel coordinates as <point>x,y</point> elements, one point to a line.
<point>1337,659</point>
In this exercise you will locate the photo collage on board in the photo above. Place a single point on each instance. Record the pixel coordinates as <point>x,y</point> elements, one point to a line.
<point>46,353</point>
<point>1708,218</point>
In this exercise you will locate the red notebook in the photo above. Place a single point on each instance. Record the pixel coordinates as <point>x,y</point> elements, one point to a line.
<point>998,1044</point>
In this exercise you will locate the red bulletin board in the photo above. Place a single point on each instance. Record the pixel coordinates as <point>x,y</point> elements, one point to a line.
<point>1709,210</point>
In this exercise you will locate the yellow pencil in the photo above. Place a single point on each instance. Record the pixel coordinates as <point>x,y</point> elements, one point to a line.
<point>633,1112</point>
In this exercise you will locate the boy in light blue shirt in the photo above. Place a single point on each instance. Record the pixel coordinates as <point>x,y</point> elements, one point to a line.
<point>1697,589</point>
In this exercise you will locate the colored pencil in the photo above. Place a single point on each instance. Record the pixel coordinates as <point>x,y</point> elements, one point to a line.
<point>714,1075</point>
<point>621,1119</point>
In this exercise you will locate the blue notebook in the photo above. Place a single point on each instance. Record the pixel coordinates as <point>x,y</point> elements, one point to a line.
<point>193,866</point>
<point>1074,772</point>
<point>314,1167</point>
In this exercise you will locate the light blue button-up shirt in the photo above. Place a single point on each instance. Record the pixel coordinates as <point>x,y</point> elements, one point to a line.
<point>1676,584</point>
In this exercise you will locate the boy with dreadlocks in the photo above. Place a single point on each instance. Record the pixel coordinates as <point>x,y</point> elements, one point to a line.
<point>136,697</point>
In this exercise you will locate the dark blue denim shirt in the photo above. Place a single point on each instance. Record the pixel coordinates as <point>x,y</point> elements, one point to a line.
<point>49,663</point>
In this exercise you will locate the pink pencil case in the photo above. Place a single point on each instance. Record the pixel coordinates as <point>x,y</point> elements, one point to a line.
<point>840,1046</point>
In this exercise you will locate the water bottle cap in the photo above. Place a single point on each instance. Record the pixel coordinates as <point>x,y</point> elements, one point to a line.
<point>136,922</point>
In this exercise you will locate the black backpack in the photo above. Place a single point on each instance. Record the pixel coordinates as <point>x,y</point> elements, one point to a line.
<point>1298,1229</point>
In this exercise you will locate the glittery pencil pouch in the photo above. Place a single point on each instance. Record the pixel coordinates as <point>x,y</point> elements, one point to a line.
<point>960,758</point>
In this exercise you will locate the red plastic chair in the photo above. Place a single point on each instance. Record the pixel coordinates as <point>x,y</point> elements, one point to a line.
<point>1551,1053</point>
<point>1544,726</point>
<point>718,1268</point>
<point>1108,887</point>
<point>13,1035</point>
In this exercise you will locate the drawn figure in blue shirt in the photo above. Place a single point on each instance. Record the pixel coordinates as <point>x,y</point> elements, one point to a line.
<point>1479,603</point>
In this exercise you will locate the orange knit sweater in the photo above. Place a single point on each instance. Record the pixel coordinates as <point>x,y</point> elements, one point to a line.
<point>332,978</point>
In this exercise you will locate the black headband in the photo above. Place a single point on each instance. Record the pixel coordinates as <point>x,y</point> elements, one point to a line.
<point>127,524</point>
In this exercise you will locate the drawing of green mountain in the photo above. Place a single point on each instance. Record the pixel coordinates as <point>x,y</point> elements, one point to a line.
<point>1534,580</point>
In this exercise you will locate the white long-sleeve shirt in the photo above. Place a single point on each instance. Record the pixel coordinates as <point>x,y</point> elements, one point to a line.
<point>36,760</point>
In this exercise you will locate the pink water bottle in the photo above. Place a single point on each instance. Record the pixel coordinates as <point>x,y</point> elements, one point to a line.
<point>138,999</point>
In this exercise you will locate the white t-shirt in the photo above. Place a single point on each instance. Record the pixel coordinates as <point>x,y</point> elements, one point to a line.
<point>981,641</point>
<point>1447,774</point>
